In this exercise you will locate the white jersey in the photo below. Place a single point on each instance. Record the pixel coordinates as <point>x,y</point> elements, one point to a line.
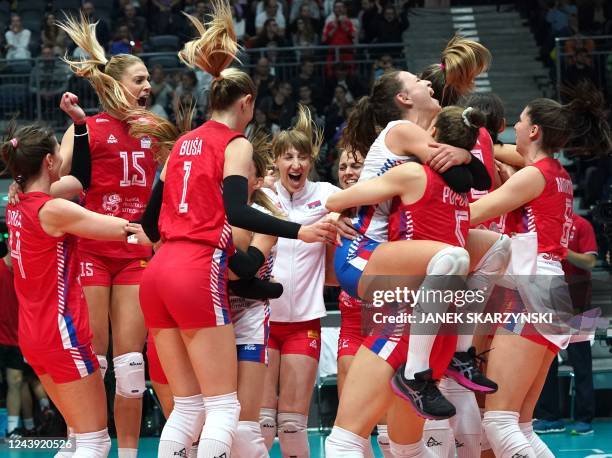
<point>300,266</point>
<point>373,220</point>
<point>251,317</point>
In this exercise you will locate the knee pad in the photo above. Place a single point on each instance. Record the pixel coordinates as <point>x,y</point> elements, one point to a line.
<point>342,443</point>
<point>92,445</point>
<point>130,375</point>
<point>505,436</point>
<point>185,422</point>
<point>267,422</point>
<point>452,260</point>
<point>496,259</point>
<point>468,420</point>
<point>249,443</point>
<point>415,450</point>
<point>292,435</point>
<point>222,413</point>
<point>539,447</point>
<point>103,365</point>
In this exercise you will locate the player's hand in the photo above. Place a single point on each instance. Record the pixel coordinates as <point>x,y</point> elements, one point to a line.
<point>13,193</point>
<point>321,231</point>
<point>344,227</point>
<point>505,171</point>
<point>137,236</point>
<point>446,156</point>
<point>70,105</point>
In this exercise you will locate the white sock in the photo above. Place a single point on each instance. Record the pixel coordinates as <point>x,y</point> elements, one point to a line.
<point>293,435</point>
<point>383,441</point>
<point>464,342</point>
<point>504,435</point>
<point>183,426</point>
<point>193,452</point>
<point>419,350</point>
<point>44,403</point>
<point>484,441</point>
<point>92,445</point>
<point>416,450</point>
<point>438,438</point>
<point>267,421</point>
<point>249,443</point>
<point>369,450</point>
<point>467,423</point>
<point>344,444</point>
<point>28,423</point>
<point>127,452</point>
<point>103,365</point>
<point>219,430</point>
<point>540,448</point>
<point>12,423</point>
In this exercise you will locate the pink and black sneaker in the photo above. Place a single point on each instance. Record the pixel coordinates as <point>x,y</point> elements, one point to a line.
<point>464,369</point>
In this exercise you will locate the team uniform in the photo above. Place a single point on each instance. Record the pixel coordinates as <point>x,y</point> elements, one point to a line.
<point>10,356</point>
<point>251,317</point>
<point>351,337</point>
<point>54,334</point>
<point>295,326</point>
<point>123,170</point>
<point>156,372</point>
<point>550,217</point>
<point>371,221</point>
<point>440,215</point>
<point>185,284</point>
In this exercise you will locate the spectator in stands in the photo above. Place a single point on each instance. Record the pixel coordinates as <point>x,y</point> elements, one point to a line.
<point>339,30</point>
<point>368,20</point>
<point>558,15</point>
<point>17,40</point>
<point>160,87</point>
<point>239,23</point>
<point>102,29</point>
<point>578,41</point>
<point>306,16</point>
<point>341,77</point>
<point>261,122</point>
<point>165,12</point>
<point>382,66</point>
<point>51,35</point>
<point>336,112</point>
<point>50,80</point>
<point>156,107</point>
<point>279,107</point>
<point>263,78</point>
<point>389,30</point>
<point>307,77</point>
<point>581,259</point>
<point>124,42</point>
<point>313,8</point>
<point>268,34</point>
<point>136,24</point>
<point>304,36</point>
<point>581,70</point>
<point>188,85</point>
<point>271,10</point>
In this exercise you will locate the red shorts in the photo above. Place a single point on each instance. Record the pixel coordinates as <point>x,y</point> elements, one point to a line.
<point>65,365</point>
<point>102,271</point>
<point>302,338</point>
<point>350,325</point>
<point>185,286</point>
<point>156,372</point>
<point>394,350</point>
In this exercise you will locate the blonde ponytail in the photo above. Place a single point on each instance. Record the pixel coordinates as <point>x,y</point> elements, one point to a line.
<point>304,136</point>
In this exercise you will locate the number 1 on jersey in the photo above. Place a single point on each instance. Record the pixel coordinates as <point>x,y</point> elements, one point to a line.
<point>184,206</point>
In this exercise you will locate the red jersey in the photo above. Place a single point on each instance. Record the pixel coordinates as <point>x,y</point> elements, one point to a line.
<point>192,207</point>
<point>122,174</point>
<point>581,240</point>
<point>550,214</point>
<point>9,307</point>
<point>441,214</point>
<point>52,309</point>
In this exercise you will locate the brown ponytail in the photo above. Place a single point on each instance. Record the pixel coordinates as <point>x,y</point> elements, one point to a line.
<point>262,160</point>
<point>458,126</point>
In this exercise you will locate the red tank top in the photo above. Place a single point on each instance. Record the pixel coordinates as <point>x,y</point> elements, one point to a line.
<point>52,309</point>
<point>9,307</point>
<point>192,207</point>
<point>122,174</point>
<point>441,214</point>
<point>550,214</point>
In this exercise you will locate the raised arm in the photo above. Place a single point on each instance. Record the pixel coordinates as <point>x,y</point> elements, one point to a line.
<point>60,216</point>
<point>522,187</point>
<point>396,182</point>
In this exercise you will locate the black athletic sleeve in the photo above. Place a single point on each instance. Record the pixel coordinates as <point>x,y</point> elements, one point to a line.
<point>459,178</point>
<point>150,217</point>
<point>81,156</point>
<point>480,174</point>
<point>246,265</point>
<point>240,214</point>
<point>254,288</point>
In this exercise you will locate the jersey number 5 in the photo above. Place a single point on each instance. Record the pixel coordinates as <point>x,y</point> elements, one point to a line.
<point>136,179</point>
